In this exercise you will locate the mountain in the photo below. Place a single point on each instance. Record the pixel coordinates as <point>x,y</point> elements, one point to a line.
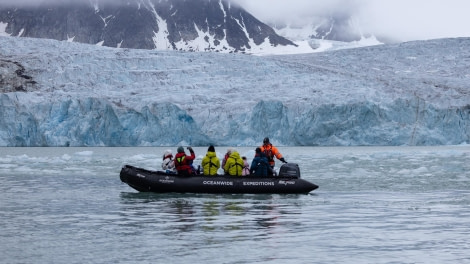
<point>190,25</point>
<point>335,27</point>
<point>338,28</point>
<point>55,93</point>
<point>325,32</point>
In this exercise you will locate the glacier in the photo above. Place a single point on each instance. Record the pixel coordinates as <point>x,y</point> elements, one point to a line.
<point>57,93</point>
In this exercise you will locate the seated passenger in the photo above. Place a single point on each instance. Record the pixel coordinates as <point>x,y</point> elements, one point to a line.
<point>234,164</point>
<point>168,164</point>
<point>183,162</point>
<point>260,165</point>
<point>224,160</point>
<point>210,163</point>
<point>246,167</point>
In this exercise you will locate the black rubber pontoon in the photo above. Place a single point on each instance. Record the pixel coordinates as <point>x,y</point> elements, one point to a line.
<point>288,181</point>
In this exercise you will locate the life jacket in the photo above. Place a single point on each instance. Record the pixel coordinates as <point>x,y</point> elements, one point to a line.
<point>180,161</point>
<point>270,152</point>
<point>238,168</point>
<point>183,163</point>
<point>210,164</point>
<point>234,164</point>
<point>211,167</point>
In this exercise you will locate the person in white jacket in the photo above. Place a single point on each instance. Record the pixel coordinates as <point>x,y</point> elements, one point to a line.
<point>168,164</point>
<point>246,167</point>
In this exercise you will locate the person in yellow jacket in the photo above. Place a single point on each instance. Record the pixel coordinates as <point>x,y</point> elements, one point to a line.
<point>271,151</point>
<point>234,164</point>
<point>210,163</point>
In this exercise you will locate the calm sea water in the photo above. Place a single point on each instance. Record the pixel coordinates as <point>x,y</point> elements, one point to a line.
<point>374,205</point>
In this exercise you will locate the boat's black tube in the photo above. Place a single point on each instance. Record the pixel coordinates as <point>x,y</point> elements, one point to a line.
<point>155,181</point>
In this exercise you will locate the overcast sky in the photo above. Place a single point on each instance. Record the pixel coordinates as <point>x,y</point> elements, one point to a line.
<point>401,19</point>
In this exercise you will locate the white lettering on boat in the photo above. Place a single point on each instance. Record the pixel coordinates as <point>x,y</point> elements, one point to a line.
<point>226,183</point>
<point>166,180</point>
<point>286,182</point>
<point>258,183</point>
<point>140,175</point>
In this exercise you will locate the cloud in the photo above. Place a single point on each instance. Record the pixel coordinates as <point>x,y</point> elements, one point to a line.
<point>418,19</point>
<point>272,9</point>
<point>399,19</point>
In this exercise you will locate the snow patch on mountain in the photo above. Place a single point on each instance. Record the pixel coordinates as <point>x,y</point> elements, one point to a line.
<point>3,27</point>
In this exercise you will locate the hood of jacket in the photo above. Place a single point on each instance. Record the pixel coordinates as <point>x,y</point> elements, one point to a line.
<point>235,155</point>
<point>210,154</point>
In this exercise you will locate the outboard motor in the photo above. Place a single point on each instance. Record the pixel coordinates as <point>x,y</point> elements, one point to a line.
<point>290,170</point>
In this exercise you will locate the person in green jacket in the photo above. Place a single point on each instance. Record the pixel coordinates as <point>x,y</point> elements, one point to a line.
<point>234,164</point>
<point>210,163</point>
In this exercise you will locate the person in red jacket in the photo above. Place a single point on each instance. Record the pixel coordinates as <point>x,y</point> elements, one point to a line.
<point>271,151</point>
<point>183,162</point>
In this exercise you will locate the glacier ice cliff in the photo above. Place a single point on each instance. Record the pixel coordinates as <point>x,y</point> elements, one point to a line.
<point>415,93</point>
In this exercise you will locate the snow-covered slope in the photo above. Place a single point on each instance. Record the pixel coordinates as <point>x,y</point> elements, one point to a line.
<point>189,25</point>
<point>68,94</point>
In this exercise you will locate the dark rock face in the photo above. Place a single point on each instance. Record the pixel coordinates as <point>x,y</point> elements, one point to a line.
<point>13,77</point>
<point>195,25</point>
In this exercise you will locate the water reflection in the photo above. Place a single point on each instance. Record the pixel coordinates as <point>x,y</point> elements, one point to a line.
<point>209,212</point>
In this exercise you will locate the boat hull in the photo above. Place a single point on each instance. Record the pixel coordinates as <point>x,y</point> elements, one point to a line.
<point>157,181</point>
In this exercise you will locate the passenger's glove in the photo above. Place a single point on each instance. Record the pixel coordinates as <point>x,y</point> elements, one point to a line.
<point>283,160</point>
<point>190,149</point>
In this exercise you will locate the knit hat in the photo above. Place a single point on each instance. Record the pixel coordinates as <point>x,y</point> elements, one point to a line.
<point>258,150</point>
<point>180,149</point>
<point>211,148</point>
<point>266,140</point>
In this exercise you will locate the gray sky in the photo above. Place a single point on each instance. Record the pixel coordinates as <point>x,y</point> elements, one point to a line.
<point>400,19</point>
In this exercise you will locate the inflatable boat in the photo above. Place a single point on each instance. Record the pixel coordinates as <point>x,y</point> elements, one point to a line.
<point>288,181</point>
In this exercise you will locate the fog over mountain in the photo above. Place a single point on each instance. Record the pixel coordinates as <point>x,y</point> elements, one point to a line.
<point>398,20</point>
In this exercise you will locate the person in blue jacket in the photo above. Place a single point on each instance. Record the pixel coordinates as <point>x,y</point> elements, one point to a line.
<point>260,165</point>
